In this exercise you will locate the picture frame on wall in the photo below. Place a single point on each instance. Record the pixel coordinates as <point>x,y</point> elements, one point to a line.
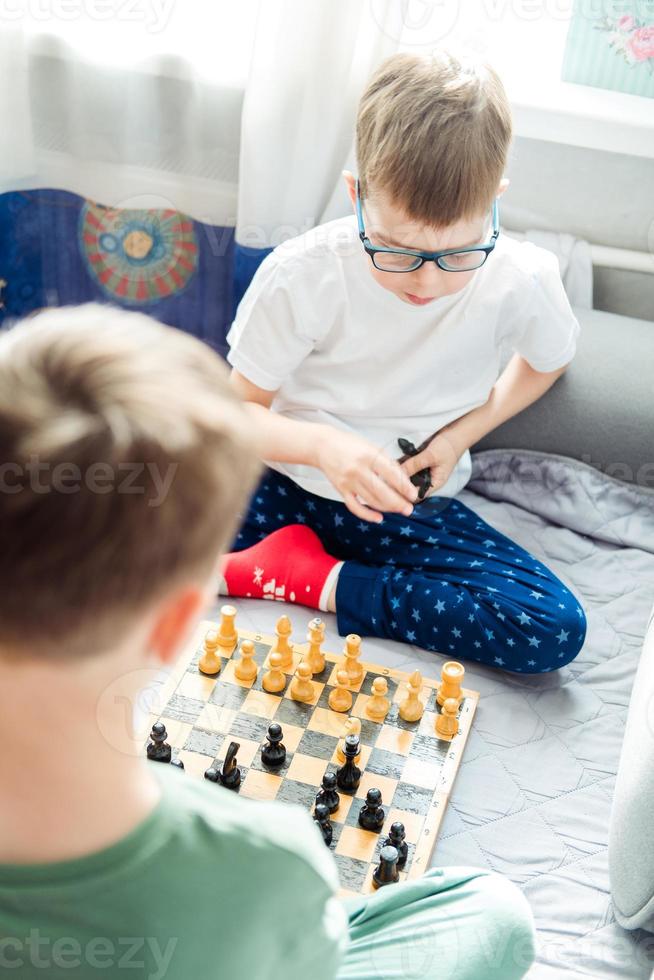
<point>610,45</point>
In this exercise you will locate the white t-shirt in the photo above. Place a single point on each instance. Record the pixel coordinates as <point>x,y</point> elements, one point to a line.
<point>338,348</point>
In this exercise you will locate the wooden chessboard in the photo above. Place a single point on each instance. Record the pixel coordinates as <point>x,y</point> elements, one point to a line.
<point>408,762</point>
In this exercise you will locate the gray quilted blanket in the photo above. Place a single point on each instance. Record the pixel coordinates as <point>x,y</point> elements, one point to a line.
<point>532,798</point>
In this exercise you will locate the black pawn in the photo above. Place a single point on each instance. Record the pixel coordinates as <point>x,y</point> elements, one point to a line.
<point>178,763</point>
<point>328,794</point>
<point>371,814</point>
<point>386,873</point>
<point>396,839</point>
<point>348,776</point>
<point>321,817</point>
<point>230,777</point>
<point>273,753</point>
<point>158,748</point>
<point>212,775</point>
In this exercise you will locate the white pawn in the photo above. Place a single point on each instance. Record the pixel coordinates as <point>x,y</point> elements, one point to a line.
<point>316,636</point>
<point>447,723</point>
<point>210,660</point>
<point>378,704</point>
<point>246,669</point>
<point>352,727</point>
<point>274,680</point>
<point>340,697</point>
<point>352,653</point>
<point>302,688</point>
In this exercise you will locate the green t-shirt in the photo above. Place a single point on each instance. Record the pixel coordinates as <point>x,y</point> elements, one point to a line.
<point>210,885</point>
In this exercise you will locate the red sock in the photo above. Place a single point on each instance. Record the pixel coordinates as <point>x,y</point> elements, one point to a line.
<point>289,565</point>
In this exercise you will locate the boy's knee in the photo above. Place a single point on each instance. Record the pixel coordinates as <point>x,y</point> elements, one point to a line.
<point>503,940</point>
<point>564,640</point>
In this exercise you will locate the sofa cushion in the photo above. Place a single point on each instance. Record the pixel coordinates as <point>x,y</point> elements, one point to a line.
<point>631,837</point>
<point>601,411</point>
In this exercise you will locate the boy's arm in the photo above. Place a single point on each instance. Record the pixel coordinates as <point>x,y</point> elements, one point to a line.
<point>277,438</point>
<point>518,386</point>
<point>363,474</point>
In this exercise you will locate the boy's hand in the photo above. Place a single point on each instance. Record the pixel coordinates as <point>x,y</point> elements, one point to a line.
<point>359,469</point>
<point>439,456</point>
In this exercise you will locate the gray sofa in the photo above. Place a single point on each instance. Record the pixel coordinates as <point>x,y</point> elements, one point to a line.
<point>601,411</point>
<point>631,840</point>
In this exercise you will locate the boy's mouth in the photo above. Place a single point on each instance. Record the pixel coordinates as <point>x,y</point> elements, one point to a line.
<point>419,300</point>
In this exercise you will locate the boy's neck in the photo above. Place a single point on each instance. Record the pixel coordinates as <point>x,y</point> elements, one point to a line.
<point>69,786</point>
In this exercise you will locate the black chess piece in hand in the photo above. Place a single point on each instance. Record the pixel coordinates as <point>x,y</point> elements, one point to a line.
<point>421,479</point>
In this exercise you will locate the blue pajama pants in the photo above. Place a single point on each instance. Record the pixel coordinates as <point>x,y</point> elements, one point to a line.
<point>442,579</point>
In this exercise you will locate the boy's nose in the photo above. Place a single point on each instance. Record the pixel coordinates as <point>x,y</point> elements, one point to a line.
<point>427,280</point>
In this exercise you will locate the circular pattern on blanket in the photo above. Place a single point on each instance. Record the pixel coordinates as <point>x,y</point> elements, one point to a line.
<point>138,256</point>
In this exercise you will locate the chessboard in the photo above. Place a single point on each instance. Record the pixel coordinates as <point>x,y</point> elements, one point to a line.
<point>412,766</point>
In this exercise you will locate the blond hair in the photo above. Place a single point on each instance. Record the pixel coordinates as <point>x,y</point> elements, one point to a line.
<point>124,459</point>
<point>433,132</point>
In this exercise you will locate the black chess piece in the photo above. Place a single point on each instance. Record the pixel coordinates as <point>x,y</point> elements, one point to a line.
<point>396,839</point>
<point>421,479</point>
<point>158,748</point>
<point>212,774</point>
<point>230,777</point>
<point>386,873</point>
<point>321,817</point>
<point>348,776</point>
<point>328,794</point>
<point>371,814</point>
<point>273,753</point>
<point>178,763</point>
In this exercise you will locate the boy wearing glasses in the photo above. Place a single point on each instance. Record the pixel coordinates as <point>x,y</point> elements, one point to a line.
<point>368,352</point>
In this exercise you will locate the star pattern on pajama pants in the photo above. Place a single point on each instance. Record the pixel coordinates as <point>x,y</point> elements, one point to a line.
<point>443,579</point>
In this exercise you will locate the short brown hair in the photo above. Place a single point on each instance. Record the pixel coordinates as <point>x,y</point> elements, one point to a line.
<point>100,409</point>
<point>433,132</point>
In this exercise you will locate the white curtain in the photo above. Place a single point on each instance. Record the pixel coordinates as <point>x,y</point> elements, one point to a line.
<point>152,132</point>
<point>310,64</point>
<point>17,156</point>
<point>239,117</point>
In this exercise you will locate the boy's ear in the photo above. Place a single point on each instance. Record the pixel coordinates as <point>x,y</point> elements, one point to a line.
<point>175,619</point>
<point>504,183</point>
<point>350,183</point>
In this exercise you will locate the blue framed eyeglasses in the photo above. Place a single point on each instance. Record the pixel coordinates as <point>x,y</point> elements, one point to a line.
<point>408,260</point>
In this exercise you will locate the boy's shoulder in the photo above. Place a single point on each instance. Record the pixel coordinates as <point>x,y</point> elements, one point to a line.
<point>516,273</point>
<point>325,246</point>
<point>523,260</point>
<point>198,813</point>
